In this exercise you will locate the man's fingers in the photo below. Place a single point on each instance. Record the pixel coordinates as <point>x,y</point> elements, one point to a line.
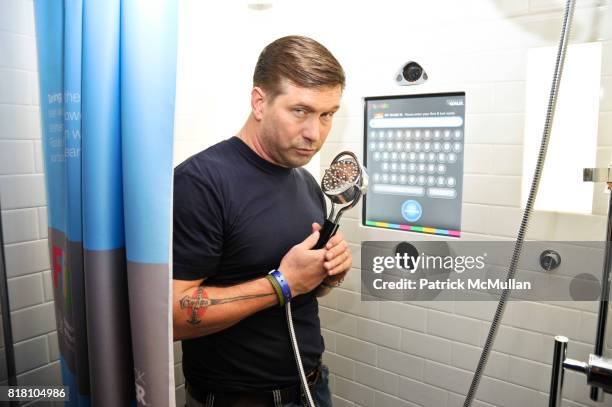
<point>311,240</point>
<point>316,227</point>
<point>338,271</point>
<point>337,238</point>
<point>336,250</point>
<point>337,260</point>
<point>330,265</point>
<point>342,268</point>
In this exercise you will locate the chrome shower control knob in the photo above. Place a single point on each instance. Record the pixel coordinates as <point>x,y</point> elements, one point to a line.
<point>550,260</point>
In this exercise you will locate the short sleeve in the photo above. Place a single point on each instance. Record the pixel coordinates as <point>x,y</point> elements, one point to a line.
<point>197,228</point>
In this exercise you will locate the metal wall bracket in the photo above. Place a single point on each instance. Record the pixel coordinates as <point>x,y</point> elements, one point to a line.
<point>598,371</point>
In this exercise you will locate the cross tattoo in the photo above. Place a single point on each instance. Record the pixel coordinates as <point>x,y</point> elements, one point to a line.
<point>198,302</point>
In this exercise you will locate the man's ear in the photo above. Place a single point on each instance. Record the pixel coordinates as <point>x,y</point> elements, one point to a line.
<point>258,102</point>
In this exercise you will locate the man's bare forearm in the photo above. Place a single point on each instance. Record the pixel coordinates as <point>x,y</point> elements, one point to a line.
<point>203,310</point>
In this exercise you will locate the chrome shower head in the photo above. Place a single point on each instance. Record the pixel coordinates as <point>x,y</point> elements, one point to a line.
<point>344,182</point>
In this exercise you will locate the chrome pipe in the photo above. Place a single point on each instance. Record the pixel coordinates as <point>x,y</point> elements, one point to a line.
<point>600,373</point>
<point>576,366</point>
<point>556,377</point>
<point>602,317</point>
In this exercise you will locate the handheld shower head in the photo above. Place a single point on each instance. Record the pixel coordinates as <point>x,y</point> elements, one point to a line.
<point>344,178</point>
<point>344,182</point>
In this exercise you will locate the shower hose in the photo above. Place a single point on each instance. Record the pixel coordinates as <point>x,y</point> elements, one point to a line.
<point>552,101</point>
<point>298,357</point>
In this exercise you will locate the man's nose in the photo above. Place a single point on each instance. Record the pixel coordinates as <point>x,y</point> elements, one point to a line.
<point>313,131</point>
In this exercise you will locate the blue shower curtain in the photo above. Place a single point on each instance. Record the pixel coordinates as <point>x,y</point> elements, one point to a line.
<point>107,71</point>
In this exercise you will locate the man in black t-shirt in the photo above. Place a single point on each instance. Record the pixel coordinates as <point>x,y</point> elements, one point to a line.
<point>242,208</point>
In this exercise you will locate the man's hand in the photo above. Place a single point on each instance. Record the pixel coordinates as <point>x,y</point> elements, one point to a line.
<point>338,259</point>
<point>302,267</point>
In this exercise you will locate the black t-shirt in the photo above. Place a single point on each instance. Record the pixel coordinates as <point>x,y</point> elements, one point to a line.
<point>235,216</point>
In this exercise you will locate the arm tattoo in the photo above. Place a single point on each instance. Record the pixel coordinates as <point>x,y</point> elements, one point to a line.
<point>196,305</point>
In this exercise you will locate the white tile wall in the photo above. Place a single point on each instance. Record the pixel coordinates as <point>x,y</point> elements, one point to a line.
<point>19,51</point>
<point>467,356</point>
<point>19,122</point>
<point>428,347</point>
<point>421,393</point>
<point>26,258</point>
<point>401,363</point>
<point>33,321</point>
<point>356,349</point>
<point>15,87</point>
<point>379,333</point>
<point>351,390</point>
<point>31,354</point>
<point>22,192</point>
<point>377,378</point>
<point>419,353</point>
<point>492,128</point>
<point>342,322</point>
<point>31,289</point>
<point>20,225</point>
<point>16,157</point>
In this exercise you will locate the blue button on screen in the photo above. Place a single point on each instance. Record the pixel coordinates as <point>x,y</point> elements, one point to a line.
<point>412,210</point>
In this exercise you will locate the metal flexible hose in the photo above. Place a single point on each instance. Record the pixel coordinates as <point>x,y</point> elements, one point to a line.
<point>552,101</point>
<point>298,358</point>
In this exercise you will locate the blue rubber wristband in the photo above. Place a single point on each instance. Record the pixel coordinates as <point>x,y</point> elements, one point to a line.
<point>278,276</point>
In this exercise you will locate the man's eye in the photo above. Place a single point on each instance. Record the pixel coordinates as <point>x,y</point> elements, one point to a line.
<point>299,112</point>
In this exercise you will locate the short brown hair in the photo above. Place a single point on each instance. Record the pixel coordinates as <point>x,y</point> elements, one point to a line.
<point>301,60</point>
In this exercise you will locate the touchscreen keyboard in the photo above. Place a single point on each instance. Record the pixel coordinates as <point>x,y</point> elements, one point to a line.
<point>415,162</point>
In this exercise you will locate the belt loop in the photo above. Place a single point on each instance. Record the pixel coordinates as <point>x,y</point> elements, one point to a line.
<point>210,399</point>
<point>277,398</point>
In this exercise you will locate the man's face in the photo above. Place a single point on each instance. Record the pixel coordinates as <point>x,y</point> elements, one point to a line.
<point>296,123</point>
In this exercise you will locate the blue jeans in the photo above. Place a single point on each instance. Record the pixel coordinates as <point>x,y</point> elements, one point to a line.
<point>321,394</point>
